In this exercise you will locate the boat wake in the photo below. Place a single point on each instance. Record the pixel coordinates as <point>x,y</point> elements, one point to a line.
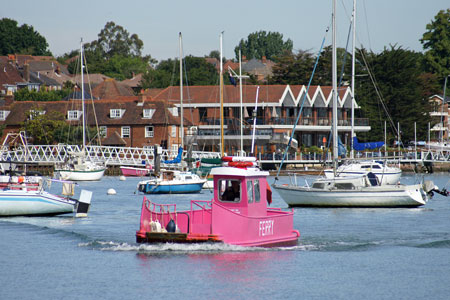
<point>174,248</point>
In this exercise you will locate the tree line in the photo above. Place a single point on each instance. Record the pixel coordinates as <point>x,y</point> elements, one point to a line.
<point>395,82</point>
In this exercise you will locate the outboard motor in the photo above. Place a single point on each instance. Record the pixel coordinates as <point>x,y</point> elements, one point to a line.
<point>84,203</point>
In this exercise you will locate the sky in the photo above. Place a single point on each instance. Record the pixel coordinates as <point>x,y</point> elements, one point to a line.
<point>379,23</point>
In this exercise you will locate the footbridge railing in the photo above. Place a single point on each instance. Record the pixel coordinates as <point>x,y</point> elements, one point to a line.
<point>54,154</point>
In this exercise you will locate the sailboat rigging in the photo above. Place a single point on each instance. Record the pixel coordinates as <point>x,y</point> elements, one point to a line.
<point>78,167</point>
<point>357,191</point>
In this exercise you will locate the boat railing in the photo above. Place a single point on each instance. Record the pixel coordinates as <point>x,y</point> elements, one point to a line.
<point>201,216</point>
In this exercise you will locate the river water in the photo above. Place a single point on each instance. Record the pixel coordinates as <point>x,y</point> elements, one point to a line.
<point>342,254</point>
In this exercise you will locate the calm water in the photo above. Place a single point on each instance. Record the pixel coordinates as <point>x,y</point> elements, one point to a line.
<point>342,254</point>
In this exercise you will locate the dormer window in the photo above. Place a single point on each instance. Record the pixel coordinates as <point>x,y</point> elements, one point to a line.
<point>74,114</point>
<point>35,113</point>
<point>116,113</point>
<point>4,114</point>
<point>173,111</point>
<point>148,113</point>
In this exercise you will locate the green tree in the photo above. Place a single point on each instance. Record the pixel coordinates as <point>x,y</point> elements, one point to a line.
<point>42,95</point>
<point>115,53</point>
<point>167,73</point>
<point>398,77</point>
<point>436,42</point>
<point>292,68</point>
<point>115,40</point>
<point>42,128</point>
<point>262,43</point>
<point>21,40</point>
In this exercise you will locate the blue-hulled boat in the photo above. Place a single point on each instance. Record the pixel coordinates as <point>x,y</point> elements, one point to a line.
<point>172,182</point>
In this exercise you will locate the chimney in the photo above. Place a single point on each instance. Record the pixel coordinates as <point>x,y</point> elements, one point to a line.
<point>26,72</point>
<point>263,59</point>
<point>244,58</point>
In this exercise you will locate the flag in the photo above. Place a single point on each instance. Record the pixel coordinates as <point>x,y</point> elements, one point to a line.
<point>232,80</point>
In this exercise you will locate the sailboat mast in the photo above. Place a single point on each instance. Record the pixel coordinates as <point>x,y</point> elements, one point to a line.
<point>335,91</point>
<point>352,151</point>
<point>240,94</point>
<point>221,100</point>
<point>82,92</point>
<point>181,93</point>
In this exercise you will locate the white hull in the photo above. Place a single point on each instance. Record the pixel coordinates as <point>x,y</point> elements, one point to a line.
<point>21,203</point>
<point>376,196</point>
<point>75,175</point>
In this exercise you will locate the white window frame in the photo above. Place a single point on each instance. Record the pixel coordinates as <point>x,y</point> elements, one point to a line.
<point>74,114</point>
<point>4,114</point>
<point>149,131</point>
<point>103,131</point>
<point>173,111</point>
<point>116,113</point>
<point>173,132</point>
<point>125,132</point>
<point>147,113</point>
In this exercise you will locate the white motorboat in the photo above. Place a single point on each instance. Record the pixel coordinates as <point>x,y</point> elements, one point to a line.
<point>385,174</point>
<point>20,197</point>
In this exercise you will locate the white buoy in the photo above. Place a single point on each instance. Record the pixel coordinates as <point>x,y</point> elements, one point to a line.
<point>122,178</point>
<point>111,192</point>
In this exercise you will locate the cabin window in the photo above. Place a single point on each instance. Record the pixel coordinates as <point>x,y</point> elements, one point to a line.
<point>318,185</point>
<point>229,190</point>
<point>250,191</point>
<point>257,188</point>
<point>125,131</point>
<point>344,186</point>
<point>149,131</point>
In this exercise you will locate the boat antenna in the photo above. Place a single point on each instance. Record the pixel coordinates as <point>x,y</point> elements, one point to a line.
<point>181,92</point>
<point>254,120</point>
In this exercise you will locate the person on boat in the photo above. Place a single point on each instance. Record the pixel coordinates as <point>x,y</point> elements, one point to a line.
<point>232,192</point>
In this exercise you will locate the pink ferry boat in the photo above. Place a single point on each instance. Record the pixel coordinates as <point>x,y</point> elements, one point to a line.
<point>238,214</point>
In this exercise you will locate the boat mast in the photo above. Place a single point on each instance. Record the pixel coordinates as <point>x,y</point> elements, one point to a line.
<point>82,92</point>
<point>181,92</point>
<point>240,95</point>
<point>352,151</point>
<point>335,92</point>
<point>221,99</point>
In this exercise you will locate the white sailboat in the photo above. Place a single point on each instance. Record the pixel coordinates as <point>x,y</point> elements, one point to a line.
<point>358,191</point>
<point>79,168</point>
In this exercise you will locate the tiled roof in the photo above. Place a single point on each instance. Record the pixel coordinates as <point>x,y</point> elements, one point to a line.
<point>133,82</point>
<point>111,89</point>
<point>114,139</point>
<point>8,73</point>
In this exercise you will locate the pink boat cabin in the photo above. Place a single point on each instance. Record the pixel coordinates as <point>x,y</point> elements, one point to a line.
<point>238,214</point>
